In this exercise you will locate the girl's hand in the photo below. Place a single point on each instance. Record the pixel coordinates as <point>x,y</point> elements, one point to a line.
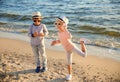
<point>55,42</point>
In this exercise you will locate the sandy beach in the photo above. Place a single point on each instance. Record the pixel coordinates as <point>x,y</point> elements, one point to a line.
<point>17,65</point>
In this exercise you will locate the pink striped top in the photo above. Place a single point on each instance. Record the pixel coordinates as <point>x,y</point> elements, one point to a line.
<point>65,39</point>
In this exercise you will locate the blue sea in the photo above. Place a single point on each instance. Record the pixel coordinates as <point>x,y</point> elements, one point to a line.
<point>96,20</point>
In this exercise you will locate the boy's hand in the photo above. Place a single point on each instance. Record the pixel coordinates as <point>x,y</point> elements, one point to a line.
<point>35,34</point>
<point>41,34</point>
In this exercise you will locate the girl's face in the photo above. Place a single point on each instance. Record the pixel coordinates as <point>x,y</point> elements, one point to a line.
<point>37,21</point>
<point>60,25</point>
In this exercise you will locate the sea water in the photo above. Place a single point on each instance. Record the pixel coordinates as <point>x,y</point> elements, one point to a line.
<point>96,20</point>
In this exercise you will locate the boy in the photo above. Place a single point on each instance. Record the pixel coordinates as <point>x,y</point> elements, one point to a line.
<point>37,32</point>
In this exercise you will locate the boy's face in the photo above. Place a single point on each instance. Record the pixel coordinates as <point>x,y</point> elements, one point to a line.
<point>59,24</point>
<point>36,21</point>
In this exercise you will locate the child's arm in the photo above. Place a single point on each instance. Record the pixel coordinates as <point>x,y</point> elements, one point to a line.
<point>44,32</point>
<point>41,34</point>
<point>30,32</point>
<point>55,42</point>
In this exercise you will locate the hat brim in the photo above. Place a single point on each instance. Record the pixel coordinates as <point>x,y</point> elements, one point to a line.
<point>37,17</point>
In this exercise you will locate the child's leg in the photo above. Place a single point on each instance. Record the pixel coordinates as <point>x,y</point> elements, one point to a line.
<point>69,60</point>
<point>83,47</point>
<point>43,54</point>
<point>83,53</point>
<point>36,54</point>
<point>69,69</point>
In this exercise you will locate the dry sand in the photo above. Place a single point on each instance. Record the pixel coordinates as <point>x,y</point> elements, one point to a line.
<point>17,65</point>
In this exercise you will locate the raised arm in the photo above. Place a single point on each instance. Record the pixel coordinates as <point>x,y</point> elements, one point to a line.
<point>55,42</point>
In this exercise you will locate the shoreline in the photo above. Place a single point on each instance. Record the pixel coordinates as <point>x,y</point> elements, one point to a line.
<point>18,58</point>
<point>91,49</point>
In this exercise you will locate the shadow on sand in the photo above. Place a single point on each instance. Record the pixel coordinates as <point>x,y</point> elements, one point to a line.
<point>58,80</point>
<point>16,75</point>
<point>22,72</point>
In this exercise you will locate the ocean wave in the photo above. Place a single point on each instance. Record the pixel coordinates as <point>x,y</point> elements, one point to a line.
<point>112,33</point>
<point>115,1</point>
<point>92,28</point>
<point>99,30</point>
<point>11,30</point>
<point>8,15</point>
<point>82,29</point>
<point>12,16</point>
<point>107,43</point>
<point>2,23</point>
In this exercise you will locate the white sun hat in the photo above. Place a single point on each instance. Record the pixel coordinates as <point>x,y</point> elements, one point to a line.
<point>64,19</point>
<point>36,15</point>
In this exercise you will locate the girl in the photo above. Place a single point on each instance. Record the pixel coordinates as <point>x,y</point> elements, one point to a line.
<point>65,39</point>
